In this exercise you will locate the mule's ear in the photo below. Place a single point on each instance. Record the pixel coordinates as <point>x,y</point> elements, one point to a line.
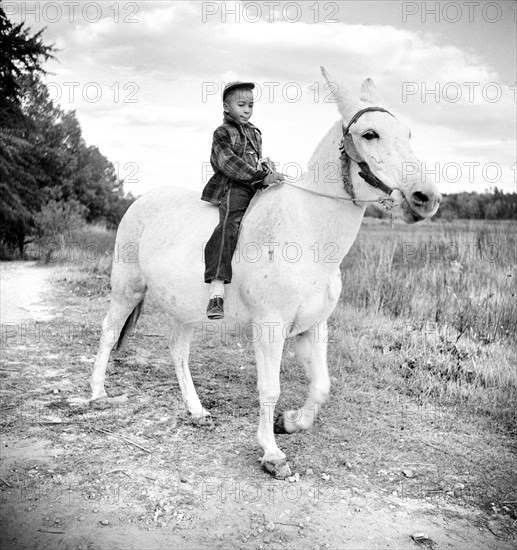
<point>346,104</point>
<point>369,93</point>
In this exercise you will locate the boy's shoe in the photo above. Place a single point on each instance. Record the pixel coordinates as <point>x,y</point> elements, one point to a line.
<point>215,309</point>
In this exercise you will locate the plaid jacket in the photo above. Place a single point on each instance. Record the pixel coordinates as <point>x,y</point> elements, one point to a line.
<point>236,149</point>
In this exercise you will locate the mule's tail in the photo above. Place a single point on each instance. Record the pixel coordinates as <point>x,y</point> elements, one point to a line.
<point>130,323</point>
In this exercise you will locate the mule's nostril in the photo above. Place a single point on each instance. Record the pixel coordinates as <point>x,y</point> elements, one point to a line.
<point>419,198</point>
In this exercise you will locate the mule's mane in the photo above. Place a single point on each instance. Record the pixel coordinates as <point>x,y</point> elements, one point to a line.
<point>326,160</point>
<point>331,160</point>
<point>326,149</point>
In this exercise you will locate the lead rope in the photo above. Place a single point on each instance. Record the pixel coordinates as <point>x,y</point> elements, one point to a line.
<point>386,202</point>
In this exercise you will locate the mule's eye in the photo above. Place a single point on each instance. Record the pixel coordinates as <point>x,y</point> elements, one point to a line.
<point>370,134</point>
<point>409,134</point>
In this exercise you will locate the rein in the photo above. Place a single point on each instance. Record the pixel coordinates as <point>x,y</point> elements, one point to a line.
<point>347,149</point>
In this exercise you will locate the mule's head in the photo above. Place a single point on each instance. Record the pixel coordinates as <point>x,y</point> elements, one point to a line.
<point>382,141</point>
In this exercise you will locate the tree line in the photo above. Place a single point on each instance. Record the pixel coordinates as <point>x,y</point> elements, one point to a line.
<point>47,171</point>
<point>494,205</point>
<point>479,206</point>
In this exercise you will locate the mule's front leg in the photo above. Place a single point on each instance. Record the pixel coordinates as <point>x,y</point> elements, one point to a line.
<point>268,356</point>
<point>311,352</point>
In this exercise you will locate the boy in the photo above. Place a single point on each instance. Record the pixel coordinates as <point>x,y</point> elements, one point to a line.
<point>238,172</point>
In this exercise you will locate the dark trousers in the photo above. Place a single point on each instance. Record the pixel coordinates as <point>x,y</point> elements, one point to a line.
<point>221,245</point>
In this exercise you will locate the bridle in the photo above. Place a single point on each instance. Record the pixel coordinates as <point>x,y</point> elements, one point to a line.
<point>347,148</point>
<point>349,152</point>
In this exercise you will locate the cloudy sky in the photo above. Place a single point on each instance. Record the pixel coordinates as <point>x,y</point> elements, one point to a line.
<point>145,79</point>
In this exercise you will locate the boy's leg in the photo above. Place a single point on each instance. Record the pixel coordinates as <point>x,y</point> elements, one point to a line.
<point>217,288</point>
<point>221,245</point>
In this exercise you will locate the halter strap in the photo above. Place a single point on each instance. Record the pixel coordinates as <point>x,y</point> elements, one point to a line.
<point>361,112</point>
<point>367,175</point>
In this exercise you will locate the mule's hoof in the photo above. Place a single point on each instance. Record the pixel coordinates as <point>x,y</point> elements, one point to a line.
<point>77,401</point>
<point>98,395</point>
<point>279,424</point>
<point>105,402</point>
<point>205,421</point>
<point>279,469</point>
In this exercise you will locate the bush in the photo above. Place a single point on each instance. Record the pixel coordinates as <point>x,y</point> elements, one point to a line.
<point>55,222</point>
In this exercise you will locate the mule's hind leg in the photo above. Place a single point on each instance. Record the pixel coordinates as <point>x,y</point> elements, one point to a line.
<point>179,347</point>
<point>121,307</point>
<point>311,352</point>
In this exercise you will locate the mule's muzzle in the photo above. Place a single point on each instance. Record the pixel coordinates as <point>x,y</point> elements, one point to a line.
<point>421,204</point>
<point>419,199</point>
<point>409,215</point>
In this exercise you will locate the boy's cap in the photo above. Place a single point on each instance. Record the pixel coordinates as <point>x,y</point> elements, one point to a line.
<point>237,84</point>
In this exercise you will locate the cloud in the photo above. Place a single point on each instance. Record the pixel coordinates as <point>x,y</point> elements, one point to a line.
<point>169,54</point>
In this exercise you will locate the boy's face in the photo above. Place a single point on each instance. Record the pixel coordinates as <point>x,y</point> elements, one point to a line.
<point>239,104</point>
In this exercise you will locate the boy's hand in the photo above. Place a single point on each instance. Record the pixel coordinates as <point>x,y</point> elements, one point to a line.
<point>267,165</point>
<point>273,177</point>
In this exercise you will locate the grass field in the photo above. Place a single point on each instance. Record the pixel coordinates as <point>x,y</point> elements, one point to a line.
<point>446,297</point>
<point>438,301</point>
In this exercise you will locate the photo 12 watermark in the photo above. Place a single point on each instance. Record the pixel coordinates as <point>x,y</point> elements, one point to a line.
<point>93,92</point>
<point>457,253</point>
<point>316,172</point>
<point>221,492</point>
<point>456,12</point>
<point>269,12</point>
<point>54,490</point>
<point>275,91</point>
<point>470,172</point>
<point>269,331</point>
<point>73,12</point>
<point>290,252</point>
<point>455,92</point>
<point>58,412</point>
<point>57,250</point>
<point>127,171</point>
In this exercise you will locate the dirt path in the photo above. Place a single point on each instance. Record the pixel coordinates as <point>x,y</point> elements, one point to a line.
<point>144,476</point>
<point>22,287</point>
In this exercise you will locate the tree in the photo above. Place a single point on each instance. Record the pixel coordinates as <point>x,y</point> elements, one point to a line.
<point>44,160</point>
<point>21,55</point>
<point>33,161</point>
<point>494,205</point>
<point>55,221</point>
